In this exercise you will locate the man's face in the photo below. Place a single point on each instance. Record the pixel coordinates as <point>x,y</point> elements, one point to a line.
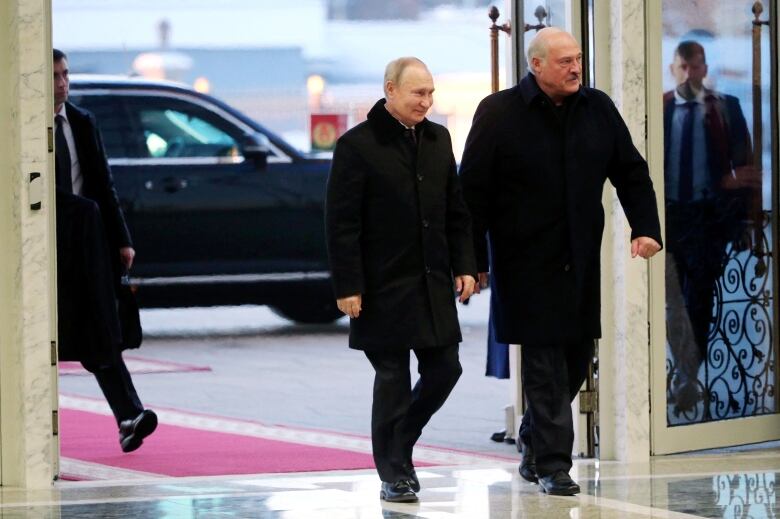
<point>693,70</point>
<point>560,73</point>
<point>61,82</point>
<point>410,99</point>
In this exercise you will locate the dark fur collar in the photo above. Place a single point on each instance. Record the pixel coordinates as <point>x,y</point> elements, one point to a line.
<point>388,128</point>
<point>529,89</point>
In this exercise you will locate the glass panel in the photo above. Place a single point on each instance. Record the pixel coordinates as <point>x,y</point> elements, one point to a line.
<point>113,122</point>
<point>719,288</point>
<point>538,14</point>
<point>178,132</point>
<point>170,133</point>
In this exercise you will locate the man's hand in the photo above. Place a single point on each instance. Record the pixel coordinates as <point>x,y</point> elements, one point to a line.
<point>483,282</point>
<point>126,255</point>
<point>464,285</point>
<point>644,247</point>
<point>351,305</point>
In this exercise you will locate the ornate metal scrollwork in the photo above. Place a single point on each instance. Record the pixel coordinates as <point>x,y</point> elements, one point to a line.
<point>737,378</point>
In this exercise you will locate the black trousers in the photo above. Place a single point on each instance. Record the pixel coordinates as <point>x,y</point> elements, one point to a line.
<point>399,412</point>
<point>697,235</point>
<point>552,376</point>
<point>117,386</point>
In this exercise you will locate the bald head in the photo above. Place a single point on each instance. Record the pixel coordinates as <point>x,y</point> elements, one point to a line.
<point>540,44</point>
<point>555,58</point>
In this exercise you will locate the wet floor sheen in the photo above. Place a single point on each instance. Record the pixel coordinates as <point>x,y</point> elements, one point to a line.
<point>732,485</point>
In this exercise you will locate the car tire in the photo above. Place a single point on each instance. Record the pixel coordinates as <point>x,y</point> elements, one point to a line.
<point>317,311</point>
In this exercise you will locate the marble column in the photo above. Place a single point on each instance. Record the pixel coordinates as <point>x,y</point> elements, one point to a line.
<point>624,360</point>
<point>28,446</point>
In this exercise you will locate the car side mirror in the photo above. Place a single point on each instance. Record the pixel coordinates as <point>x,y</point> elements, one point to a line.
<point>257,148</point>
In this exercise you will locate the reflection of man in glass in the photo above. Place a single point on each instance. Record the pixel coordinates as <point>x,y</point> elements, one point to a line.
<point>707,146</point>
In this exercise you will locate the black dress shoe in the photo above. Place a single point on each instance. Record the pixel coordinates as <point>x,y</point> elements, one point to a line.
<point>414,483</point>
<point>398,492</point>
<point>559,484</point>
<point>528,464</point>
<point>132,432</point>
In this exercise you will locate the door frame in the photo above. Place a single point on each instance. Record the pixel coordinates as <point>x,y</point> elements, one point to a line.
<point>738,431</point>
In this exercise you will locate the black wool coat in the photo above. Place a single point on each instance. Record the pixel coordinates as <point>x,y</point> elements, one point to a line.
<point>533,177</point>
<point>90,231</point>
<point>398,230</point>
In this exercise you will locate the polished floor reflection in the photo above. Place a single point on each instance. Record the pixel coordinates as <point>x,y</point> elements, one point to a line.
<point>730,485</point>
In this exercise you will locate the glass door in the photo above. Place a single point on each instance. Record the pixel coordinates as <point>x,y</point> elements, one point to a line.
<point>714,376</point>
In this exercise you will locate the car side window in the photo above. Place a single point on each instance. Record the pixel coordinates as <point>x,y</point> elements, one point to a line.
<point>112,120</point>
<point>171,128</point>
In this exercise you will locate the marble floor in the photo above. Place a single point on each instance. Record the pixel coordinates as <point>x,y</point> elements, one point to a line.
<point>728,485</point>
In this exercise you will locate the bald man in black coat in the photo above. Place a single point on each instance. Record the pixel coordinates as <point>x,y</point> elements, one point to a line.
<point>533,172</point>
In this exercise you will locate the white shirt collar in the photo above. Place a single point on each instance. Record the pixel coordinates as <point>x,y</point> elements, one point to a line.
<point>680,100</point>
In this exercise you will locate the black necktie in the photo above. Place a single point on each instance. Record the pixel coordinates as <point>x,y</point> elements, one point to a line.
<point>410,135</point>
<point>62,175</point>
<point>685,188</point>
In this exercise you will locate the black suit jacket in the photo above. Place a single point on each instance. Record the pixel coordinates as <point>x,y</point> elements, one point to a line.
<point>397,231</point>
<point>98,181</point>
<point>534,183</point>
<point>90,231</point>
<point>725,131</point>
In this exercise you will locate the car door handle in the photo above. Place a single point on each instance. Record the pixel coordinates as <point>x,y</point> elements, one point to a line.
<point>171,185</point>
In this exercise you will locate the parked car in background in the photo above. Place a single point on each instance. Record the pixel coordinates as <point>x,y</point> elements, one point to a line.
<point>221,210</point>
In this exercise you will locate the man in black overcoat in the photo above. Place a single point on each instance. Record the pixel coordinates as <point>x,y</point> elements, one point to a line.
<point>533,172</point>
<point>93,250</point>
<point>400,244</point>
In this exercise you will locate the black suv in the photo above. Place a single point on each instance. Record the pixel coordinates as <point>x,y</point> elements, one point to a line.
<point>221,210</point>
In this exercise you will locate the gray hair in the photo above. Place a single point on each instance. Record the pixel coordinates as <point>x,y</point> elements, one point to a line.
<point>540,45</point>
<point>395,69</point>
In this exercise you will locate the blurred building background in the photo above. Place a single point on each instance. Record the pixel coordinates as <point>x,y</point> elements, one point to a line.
<point>281,61</point>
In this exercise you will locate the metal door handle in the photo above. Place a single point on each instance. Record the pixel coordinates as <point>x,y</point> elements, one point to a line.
<point>171,185</point>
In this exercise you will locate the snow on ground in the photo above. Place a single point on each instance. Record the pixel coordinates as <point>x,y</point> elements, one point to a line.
<point>252,319</point>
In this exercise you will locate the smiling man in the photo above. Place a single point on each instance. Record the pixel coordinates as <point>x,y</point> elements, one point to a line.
<point>533,172</point>
<point>400,244</point>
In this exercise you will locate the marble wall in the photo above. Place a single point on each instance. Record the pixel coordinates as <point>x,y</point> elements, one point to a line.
<point>27,381</point>
<point>624,353</point>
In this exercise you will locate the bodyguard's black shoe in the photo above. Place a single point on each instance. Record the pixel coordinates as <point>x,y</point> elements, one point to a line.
<point>132,432</point>
<point>558,484</point>
<point>398,492</point>
<point>528,464</point>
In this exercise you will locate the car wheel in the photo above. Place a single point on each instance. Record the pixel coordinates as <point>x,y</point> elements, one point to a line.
<point>309,312</point>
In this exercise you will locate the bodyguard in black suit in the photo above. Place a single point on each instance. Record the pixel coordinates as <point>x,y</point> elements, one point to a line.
<point>93,250</point>
<point>710,188</point>
<point>398,232</point>
<point>533,172</point>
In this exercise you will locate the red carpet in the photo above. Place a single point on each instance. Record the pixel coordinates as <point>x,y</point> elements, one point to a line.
<point>135,365</point>
<point>182,451</point>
